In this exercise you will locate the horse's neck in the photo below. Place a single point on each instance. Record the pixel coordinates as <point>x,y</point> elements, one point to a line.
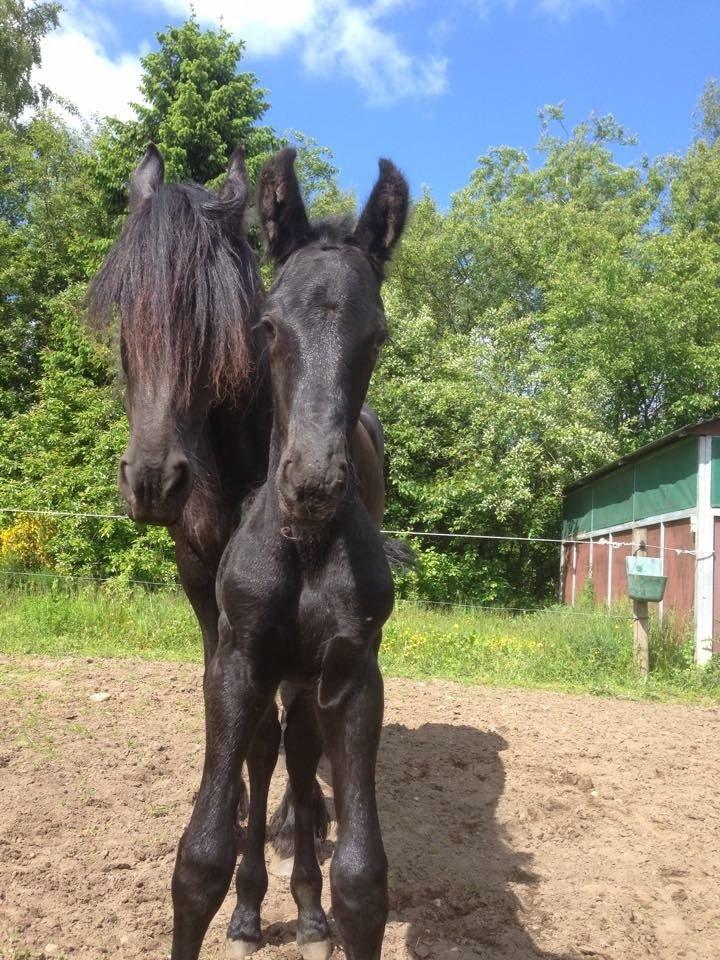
<point>237,445</point>
<point>230,462</point>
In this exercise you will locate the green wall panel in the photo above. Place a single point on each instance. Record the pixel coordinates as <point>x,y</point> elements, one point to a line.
<point>667,480</point>
<point>715,473</point>
<point>577,512</point>
<point>613,498</point>
<point>663,482</point>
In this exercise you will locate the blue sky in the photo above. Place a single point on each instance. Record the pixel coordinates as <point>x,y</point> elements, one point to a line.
<point>431,84</point>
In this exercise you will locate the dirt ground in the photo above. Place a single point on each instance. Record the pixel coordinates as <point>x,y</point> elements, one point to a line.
<point>517,824</point>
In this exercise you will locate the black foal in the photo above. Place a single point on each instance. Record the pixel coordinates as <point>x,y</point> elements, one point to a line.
<point>303,589</point>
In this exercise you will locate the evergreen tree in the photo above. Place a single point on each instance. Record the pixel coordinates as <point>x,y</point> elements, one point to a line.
<point>197,108</point>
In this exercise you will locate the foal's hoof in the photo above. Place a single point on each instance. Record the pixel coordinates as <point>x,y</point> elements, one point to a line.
<point>281,866</point>
<point>318,950</point>
<point>239,949</point>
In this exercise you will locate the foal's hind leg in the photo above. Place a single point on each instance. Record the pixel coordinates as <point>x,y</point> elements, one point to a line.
<point>236,701</point>
<point>303,747</point>
<point>350,708</point>
<point>243,936</point>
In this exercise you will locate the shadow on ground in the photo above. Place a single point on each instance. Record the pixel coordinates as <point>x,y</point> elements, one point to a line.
<point>455,880</point>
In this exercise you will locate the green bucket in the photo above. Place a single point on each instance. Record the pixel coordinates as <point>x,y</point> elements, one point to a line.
<point>645,580</point>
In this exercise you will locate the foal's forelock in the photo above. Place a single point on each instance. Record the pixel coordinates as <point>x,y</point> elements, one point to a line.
<point>184,282</point>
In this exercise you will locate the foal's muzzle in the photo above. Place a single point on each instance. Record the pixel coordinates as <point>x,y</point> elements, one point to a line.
<point>311,485</point>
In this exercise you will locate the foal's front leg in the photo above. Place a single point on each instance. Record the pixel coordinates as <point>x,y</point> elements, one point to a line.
<point>236,701</point>
<point>350,710</point>
<point>243,936</point>
<point>303,747</point>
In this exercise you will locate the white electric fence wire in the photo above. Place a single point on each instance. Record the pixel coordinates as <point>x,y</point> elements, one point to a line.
<point>9,573</point>
<point>603,541</point>
<point>614,544</point>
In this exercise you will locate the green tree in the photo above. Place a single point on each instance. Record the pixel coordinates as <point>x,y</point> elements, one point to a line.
<point>707,115</point>
<point>22,27</point>
<point>52,230</point>
<point>695,178</point>
<point>547,323</point>
<point>197,108</point>
<point>318,174</point>
<point>61,454</point>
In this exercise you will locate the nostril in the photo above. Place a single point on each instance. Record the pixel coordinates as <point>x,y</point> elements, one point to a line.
<point>123,472</point>
<point>338,479</point>
<point>286,471</point>
<point>178,475</point>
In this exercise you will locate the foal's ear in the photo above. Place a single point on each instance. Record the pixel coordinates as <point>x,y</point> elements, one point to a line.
<point>282,213</point>
<point>383,219</point>
<point>147,177</point>
<point>235,187</point>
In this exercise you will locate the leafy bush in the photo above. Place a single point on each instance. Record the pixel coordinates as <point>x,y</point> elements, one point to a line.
<point>24,543</point>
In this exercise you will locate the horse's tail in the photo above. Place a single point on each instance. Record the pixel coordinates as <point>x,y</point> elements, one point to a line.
<point>400,555</point>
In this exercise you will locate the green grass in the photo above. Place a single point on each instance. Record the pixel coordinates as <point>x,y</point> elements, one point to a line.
<point>558,648</point>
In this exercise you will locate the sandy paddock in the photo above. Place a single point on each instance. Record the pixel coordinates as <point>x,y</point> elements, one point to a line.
<point>517,824</point>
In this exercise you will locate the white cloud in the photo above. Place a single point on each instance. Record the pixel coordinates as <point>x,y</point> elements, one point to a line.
<point>349,41</point>
<point>332,37</point>
<point>267,26</point>
<point>76,67</point>
<point>349,38</point>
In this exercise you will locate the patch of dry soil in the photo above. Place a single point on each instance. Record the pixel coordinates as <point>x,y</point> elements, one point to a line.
<point>517,824</point>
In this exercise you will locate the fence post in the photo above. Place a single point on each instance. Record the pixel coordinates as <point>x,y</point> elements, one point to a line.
<point>641,647</point>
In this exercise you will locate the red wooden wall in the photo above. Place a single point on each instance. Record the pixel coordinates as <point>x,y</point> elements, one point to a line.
<point>680,569</point>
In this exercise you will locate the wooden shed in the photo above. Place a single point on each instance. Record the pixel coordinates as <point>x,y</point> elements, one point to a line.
<point>666,494</point>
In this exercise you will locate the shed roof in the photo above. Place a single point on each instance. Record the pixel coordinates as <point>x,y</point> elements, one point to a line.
<point>710,427</point>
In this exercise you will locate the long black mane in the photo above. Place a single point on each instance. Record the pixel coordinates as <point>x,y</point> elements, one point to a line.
<point>185,284</point>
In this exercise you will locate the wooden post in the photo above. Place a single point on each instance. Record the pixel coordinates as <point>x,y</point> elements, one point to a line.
<point>641,646</point>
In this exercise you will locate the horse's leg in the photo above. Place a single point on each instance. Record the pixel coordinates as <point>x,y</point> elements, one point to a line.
<point>282,822</point>
<point>236,702</point>
<point>350,708</point>
<point>303,747</point>
<point>243,936</point>
<point>198,582</point>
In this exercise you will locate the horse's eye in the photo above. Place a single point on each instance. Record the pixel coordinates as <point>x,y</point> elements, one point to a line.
<point>381,338</point>
<point>269,326</point>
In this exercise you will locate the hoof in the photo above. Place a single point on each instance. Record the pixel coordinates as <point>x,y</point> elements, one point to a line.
<point>281,866</point>
<point>318,950</point>
<point>239,949</point>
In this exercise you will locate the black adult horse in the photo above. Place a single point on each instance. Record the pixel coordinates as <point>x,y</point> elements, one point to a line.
<point>304,589</point>
<point>185,284</point>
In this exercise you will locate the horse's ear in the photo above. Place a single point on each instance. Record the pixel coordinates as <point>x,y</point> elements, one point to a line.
<point>283,218</point>
<point>147,177</point>
<point>235,187</point>
<point>383,219</point>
